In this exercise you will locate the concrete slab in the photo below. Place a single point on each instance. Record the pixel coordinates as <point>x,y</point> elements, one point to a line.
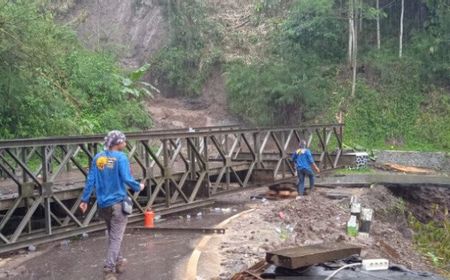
<point>383,178</point>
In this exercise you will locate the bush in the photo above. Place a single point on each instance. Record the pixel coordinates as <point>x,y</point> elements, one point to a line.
<point>185,64</point>
<point>295,82</point>
<point>51,85</point>
<point>386,107</point>
<point>433,241</point>
<point>183,71</point>
<point>275,93</point>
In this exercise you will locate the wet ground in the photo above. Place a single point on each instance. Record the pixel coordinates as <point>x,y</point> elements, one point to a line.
<point>164,255</point>
<point>152,255</point>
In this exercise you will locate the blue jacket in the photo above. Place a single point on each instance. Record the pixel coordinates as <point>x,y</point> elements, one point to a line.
<point>303,159</point>
<point>109,172</point>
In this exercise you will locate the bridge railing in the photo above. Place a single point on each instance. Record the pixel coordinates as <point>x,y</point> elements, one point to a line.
<point>181,169</point>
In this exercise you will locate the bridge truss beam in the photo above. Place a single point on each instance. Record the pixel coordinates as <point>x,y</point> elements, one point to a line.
<point>42,179</point>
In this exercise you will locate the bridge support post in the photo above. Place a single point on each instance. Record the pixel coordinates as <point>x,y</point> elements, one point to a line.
<point>257,148</point>
<point>46,188</point>
<point>166,172</point>
<point>207,181</point>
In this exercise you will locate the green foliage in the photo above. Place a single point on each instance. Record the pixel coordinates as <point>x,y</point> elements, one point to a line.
<point>293,84</point>
<point>386,111</point>
<point>184,71</point>
<point>133,85</point>
<point>274,93</point>
<point>270,7</point>
<point>184,65</point>
<point>350,171</point>
<point>433,240</point>
<point>50,85</point>
<point>395,108</point>
<point>314,27</point>
<point>399,103</point>
<point>431,47</point>
<point>433,125</point>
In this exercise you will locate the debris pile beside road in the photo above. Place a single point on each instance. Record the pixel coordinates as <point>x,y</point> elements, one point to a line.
<point>318,218</point>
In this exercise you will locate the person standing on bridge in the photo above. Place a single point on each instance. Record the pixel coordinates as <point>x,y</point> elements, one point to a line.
<point>109,173</point>
<point>303,160</point>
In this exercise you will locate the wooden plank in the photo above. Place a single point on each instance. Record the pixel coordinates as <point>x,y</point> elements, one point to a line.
<point>297,257</point>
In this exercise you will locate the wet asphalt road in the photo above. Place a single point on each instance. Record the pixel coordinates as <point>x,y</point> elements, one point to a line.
<point>151,255</point>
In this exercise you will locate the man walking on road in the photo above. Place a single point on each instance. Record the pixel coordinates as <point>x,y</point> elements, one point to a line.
<point>109,173</point>
<point>303,162</point>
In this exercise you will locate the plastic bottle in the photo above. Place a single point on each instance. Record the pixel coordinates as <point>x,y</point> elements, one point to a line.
<point>352,226</point>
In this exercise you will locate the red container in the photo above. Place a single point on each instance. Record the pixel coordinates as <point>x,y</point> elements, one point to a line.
<point>149,216</point>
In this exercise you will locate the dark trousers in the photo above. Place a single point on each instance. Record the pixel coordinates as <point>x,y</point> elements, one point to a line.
<point>116,222</point>
<point>302,174</point>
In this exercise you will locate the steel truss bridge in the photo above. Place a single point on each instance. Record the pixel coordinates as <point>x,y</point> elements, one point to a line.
<point>41,180</point>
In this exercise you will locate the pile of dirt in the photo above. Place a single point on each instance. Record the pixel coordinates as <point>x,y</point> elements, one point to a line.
<point>315,219</point>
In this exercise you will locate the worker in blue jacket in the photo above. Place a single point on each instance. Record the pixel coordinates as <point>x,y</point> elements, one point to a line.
<point>304,164</point>
<point>109,173</point>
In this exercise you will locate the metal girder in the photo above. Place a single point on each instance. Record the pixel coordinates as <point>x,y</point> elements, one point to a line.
<point>180,167</point>
<point>188,229</point>
<point>67,232</point>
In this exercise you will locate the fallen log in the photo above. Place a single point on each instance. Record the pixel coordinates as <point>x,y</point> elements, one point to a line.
<point>405,169</point>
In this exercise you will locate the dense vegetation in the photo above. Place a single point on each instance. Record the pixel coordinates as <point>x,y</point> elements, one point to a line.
<point>304,72</point>
<point>400,102</point>
<point>183,66</point>
<point>433,240</point>
<point>51,85</point>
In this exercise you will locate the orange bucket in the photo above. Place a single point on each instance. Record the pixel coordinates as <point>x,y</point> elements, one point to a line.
<point>149,216</point>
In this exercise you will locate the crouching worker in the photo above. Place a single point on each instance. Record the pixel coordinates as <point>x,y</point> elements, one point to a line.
<point>109,173</point>
<point>304,163</point>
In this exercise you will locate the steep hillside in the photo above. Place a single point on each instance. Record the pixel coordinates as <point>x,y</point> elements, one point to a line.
<point>241,38</point>
<point>270,62</point>
<point>133,30</point>
<point>136,31</point>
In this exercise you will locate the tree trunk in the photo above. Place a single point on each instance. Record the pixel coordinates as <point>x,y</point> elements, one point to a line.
<point>360,15</point>
<point>400,51</point>
<point>350,32</point>
<point>97,27</point>
<point>378,25</point>
<point>354,47</point>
